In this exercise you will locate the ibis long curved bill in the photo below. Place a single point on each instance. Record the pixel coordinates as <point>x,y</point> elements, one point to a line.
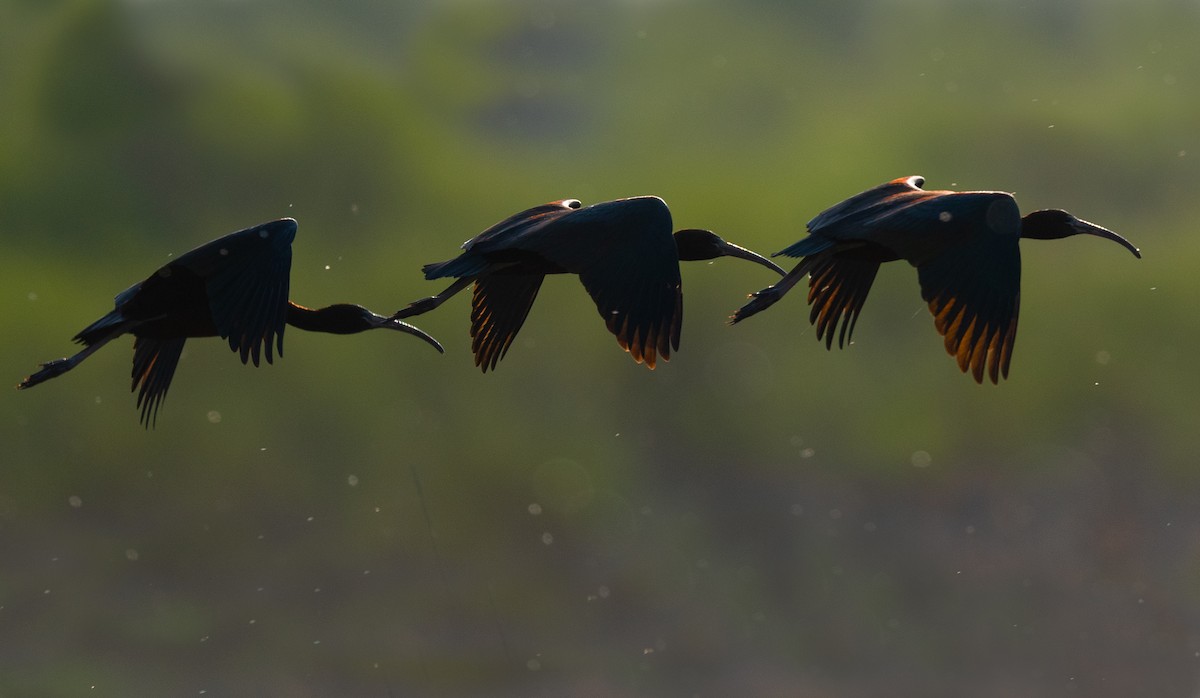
<point>1083,227</point>
<point>728,249</point>
<point>392,323</point>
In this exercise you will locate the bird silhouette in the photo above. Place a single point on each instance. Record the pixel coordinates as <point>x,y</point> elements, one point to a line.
<point>235,287</point>
<point>623,252</point>
<point>963,244</point>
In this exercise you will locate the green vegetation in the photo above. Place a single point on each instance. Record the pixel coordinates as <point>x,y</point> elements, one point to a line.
<point>758,516</point>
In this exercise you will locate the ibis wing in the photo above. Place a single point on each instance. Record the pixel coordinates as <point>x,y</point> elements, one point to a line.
<point>246,278</point>
<point>911,223</point>
<point>154,362</point>
<point>974,293</point>
<point>642,307</point>
<point>853,218</point>
<point>503,240</point>
<point>627,259</point>
<point>499,305</point>
<point>639,294</point>
<point>512,229</point>
<point>811,245</point>
<point>865,206</point>
<point>837,288</point>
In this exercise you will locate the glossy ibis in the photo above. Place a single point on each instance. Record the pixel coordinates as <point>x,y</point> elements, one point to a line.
<point>235,287</point>
<point>625,256</point>
<point>963,244</point>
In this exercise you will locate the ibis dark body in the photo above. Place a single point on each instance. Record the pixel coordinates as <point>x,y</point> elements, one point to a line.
<point>623,252</point>
<point>235,287</point>
<point>964,246</point>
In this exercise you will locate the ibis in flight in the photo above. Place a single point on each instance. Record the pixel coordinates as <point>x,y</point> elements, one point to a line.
<point>623,252</point>
<point>235,287</point>
<point>963,244</point>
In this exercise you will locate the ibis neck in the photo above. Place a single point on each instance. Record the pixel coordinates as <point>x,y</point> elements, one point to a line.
<point>333,319</point>
<point>1053,224</point>
<point>1039,231</point>
<point>696,245</point>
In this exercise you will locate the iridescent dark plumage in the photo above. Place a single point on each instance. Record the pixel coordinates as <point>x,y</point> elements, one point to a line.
<point>963,244</point>
<point>623,252</point>
<point>235,287</point>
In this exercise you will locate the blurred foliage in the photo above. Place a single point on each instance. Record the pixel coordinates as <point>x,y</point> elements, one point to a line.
<point>761,515</point>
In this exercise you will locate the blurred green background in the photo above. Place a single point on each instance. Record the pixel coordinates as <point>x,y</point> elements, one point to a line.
<point>757,517</point>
